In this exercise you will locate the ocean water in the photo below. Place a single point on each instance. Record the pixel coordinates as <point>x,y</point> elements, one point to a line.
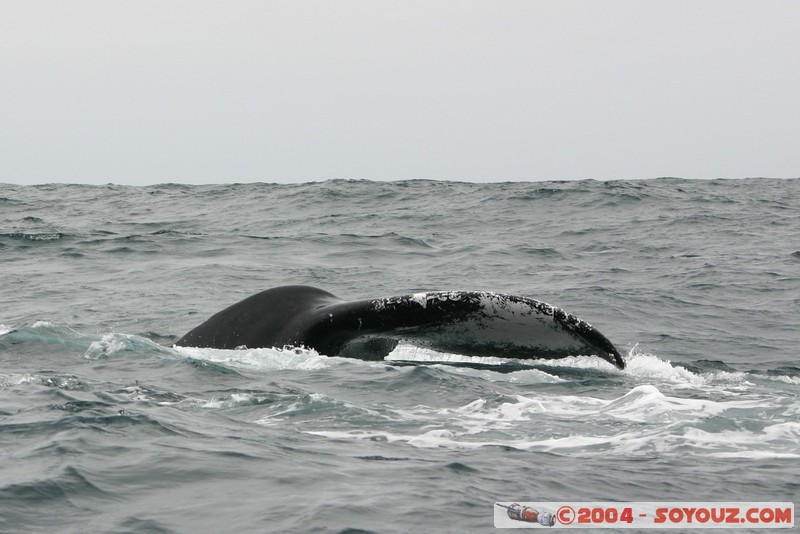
<point>105,426</point>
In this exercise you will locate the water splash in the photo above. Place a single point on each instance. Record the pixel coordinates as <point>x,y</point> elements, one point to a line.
<point>265,360</point>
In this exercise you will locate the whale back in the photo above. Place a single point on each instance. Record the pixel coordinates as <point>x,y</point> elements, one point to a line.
<point>463,322</point>
<point>471,323</point>
<point>273,318</point>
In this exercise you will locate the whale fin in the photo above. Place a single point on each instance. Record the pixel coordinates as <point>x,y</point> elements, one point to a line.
<point>465,322</point>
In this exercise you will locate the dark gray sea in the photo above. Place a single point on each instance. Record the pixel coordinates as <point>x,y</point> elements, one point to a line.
<point>106,427</point>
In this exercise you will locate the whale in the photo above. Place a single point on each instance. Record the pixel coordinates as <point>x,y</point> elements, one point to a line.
<point>471,323</point>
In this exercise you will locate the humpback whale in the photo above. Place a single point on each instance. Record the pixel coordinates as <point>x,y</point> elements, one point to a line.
<point>473,323</point>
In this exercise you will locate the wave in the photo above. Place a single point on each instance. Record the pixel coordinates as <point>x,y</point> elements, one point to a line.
<point>115,344</point>
<point>563,407</point>
<point>642,422</point>
<point>641,367</point>
<point>35,236</point>
<point>263,360</point>
<point>666,407</point>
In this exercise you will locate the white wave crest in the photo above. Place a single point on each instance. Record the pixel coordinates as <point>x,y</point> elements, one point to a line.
<point>261,359</point>
<point>412,353</point>
<point>109,345</point>
<point>18,380</point>
<point>642,421</point>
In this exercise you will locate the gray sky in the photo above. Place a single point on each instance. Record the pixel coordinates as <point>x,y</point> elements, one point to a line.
<point>141,92</point>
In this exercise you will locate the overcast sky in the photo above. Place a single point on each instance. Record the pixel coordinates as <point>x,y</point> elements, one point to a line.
<point>142,92</point>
